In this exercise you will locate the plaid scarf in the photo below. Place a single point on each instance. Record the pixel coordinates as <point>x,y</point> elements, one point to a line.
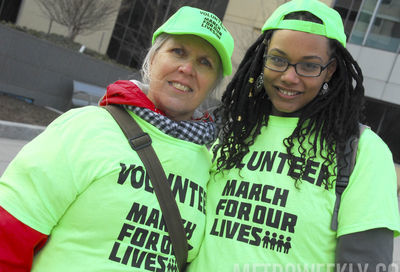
<point>198,132</point>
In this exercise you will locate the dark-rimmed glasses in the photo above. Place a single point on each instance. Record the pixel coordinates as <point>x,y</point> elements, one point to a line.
<point>305,69</point>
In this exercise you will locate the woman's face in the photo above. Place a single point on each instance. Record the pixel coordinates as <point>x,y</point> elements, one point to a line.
<point>182,73</point>
<point>288,91</point>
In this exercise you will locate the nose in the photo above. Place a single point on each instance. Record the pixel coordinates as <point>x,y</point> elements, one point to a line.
<point>187,67</point>
<point>290,75</point>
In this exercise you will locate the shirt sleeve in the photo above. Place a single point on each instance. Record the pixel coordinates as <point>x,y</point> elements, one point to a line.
<point>370,199</point>
<point>49,172</point>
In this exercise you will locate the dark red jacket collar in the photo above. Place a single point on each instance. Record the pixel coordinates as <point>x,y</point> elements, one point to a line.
<point>125,92</point>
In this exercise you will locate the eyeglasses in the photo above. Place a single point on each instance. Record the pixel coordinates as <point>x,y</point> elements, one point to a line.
<point>305,69</point>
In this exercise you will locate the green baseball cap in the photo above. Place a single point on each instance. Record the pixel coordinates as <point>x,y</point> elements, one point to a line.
<point>194,21</point>
<point>332,26</point>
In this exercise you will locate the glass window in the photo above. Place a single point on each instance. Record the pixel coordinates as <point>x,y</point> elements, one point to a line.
<point>118,31</point>
<point>383,118</point>
<point>124,54</point>
<point>9,10</point>
<point>374,111</point>
<point>364,18</point>
<point>125,12</point>
<point>113,47</point>
<point>137,15</point>
<point>138,19</point>
<point>131,35</point>
<point>137,59</point>
<point>348,10</point>
<point>390,131</point>
<point>385,31</point>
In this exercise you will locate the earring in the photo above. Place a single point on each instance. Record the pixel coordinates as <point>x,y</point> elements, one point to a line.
<point>259,84</point>
<point>324,89</point>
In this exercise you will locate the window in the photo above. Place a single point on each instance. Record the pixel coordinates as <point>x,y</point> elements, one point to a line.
<point>9,10</point>
<point>348,10</point>
<point>361,25</point>
<point>140,18</point>
<point>376,25</point>
<point>385,30</point>
<point>383,118</point>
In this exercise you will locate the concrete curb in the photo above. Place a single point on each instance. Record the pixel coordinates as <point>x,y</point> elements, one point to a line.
<point>19,131</point>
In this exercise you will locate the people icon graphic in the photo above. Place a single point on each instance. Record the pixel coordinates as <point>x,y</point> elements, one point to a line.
<point>276,244</point>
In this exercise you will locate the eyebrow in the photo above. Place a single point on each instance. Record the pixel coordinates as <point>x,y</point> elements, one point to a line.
<point>208,56</point>
<point>305,57</point>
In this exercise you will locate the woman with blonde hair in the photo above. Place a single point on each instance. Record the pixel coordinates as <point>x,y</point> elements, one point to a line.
<point>78,198</point>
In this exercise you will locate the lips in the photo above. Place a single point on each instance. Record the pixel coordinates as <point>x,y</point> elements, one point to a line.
<point>286,92</point>
<point>180,87</point>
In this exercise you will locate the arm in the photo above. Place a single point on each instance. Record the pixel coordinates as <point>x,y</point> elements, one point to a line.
<point>369,213</point>
<point>18,243</point>
<point>43,180</point>
<point>370,250</point>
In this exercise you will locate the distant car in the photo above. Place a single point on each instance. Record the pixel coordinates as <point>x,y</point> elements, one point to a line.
<point>85,94</point>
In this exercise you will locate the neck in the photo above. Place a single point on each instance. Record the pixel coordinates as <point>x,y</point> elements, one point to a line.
<point>275,112</point>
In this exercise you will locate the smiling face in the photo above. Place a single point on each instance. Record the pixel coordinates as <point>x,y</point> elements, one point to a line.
<point>182,73</point>
<point>288,91</point>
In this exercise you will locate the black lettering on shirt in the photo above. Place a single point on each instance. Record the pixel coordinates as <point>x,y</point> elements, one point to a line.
<point>268,161</point>
<point>295,167</point>
<point>238,231</point>
<point>310,169</point>
<point>253,191</point>
<point>183,189</point>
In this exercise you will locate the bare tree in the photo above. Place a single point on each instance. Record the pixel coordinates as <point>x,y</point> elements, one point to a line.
<point>79,16</point>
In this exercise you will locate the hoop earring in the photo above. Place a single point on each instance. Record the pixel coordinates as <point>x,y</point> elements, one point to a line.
<point>325,89</point>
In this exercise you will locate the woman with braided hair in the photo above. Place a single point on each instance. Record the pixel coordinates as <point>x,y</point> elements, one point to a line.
<point>79,197</point>
<point>294,102</point>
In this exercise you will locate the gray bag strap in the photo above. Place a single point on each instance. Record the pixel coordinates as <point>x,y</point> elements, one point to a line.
<point>346,160</point>
<point>141,143</point>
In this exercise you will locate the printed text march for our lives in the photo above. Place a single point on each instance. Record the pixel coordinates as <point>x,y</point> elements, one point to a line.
<point>143,241</point>
<point>253,212</point>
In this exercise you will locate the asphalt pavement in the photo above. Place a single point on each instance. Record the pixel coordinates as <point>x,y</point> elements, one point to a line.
<point>13,136</point>
<point>8,149</point>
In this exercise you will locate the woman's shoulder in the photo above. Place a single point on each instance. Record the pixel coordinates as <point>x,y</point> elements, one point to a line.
<point>84,115</point>
<point>368,137</point>
<point>372,143</point>
<point>81,112</point>
<point>92,120</point>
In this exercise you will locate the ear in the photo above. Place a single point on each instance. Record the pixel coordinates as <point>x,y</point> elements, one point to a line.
<point>330,70</point>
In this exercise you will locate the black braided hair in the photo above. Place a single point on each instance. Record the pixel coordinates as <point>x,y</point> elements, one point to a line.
<point>333,117</point>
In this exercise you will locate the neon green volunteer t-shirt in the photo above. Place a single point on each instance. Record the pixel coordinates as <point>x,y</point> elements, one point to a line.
<point>81,183</point>
<point>257,220</point>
